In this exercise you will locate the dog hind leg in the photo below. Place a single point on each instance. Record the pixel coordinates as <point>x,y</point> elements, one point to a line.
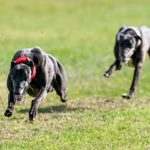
<point>60,83</point>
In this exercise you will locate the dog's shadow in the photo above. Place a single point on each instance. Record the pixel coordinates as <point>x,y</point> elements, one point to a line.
<point>79,106</point>
<point>55,109</point>
<point>48,109</point>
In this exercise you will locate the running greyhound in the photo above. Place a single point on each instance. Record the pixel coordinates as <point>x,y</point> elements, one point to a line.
<point>34,72</point>
<point>131,46</point>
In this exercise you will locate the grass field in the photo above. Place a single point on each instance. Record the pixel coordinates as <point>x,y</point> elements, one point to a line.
<point>80,33</point>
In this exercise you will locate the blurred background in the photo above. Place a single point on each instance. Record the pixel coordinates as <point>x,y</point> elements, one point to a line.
<point>79,33</point>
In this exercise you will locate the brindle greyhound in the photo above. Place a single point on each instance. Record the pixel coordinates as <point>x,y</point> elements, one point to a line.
<point>131,46</point>
<point>37,73</point>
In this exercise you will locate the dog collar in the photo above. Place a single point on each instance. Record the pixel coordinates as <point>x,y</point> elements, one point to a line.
<point>24,59</point>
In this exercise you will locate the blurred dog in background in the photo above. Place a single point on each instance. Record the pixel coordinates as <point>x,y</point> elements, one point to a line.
<point>131,46</point>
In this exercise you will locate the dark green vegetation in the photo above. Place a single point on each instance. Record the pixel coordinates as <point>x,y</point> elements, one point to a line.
<point>81,35</point>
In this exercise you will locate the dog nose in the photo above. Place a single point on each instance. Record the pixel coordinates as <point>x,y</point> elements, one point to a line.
<point>17,93</point>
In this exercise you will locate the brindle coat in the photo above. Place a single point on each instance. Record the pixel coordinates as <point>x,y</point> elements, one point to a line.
<point>50,74</point>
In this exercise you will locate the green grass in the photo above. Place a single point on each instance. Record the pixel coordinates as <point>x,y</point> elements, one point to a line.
<point>81,35</point>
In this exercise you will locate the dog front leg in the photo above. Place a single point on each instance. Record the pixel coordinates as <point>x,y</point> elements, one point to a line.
<point>11,103</point>
<point>134,84</point>
<point>34,104</point>
<point>115,66</point>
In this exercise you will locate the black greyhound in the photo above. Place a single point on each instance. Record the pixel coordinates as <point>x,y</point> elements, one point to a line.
<point>34,72</point>
<point>131,46</point>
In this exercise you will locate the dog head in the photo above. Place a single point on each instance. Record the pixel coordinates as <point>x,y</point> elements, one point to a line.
<point>128,40</point>
<point>21,76</point>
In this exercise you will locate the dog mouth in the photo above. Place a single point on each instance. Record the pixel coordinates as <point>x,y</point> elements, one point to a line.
<point>19,98</point>
<point>126,57</point>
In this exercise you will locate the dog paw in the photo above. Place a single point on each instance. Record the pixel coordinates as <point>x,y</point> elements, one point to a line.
<point>126,96</point>
<point>63,99</point>
<point>31,118</point>
<point>106,74</point>
<point>32,114</point>
<point>8,113</point>
<point>50,89</point>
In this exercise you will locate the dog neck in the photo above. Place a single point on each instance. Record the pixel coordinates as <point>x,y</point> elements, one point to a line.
<point>132,59</point>
<point>25,59</point>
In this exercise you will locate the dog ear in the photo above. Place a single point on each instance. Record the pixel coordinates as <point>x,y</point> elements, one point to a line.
<point>121,28</point>
<point>119,34</point>
<point>13,63</point>
<point>139,40</point>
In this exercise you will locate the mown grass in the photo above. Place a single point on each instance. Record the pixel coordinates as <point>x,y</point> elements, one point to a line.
<point>81,35</point>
